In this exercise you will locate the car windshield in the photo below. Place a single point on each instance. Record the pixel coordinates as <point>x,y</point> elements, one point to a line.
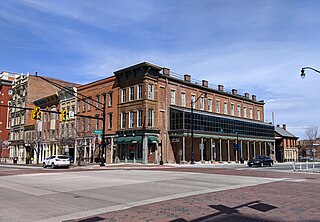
<point>258,157</point>
<point>63,157</point>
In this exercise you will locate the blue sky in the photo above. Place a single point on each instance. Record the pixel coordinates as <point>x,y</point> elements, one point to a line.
<point>254,46</point>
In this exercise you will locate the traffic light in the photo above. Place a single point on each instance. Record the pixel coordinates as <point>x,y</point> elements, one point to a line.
<point>64,115</point>
<point>36,113</point>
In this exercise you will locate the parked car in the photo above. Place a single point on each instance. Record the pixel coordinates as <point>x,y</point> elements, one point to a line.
<point>260,161</point>
<point>57,161</point>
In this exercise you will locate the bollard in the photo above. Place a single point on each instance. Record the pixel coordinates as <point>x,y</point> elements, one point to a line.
<point>312,167</point>
<point>294,166</point>
<point>307,166</point>
<point>300,167</point>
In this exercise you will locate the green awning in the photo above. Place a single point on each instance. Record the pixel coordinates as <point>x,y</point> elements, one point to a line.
<point>137,139</point>
<point>152,139</point>
<point>128,140</point>
<point>120,140</point>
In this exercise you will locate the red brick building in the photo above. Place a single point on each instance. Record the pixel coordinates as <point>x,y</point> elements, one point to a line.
<point>6,80</point>
<point>286,144</point>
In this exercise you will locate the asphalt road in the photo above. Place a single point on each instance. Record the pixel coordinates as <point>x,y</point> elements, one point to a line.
<point>63,196</point>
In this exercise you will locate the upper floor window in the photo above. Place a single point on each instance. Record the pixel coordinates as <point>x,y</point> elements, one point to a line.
<point>123,120</point>
<point>84,105</point>
<point>90,103</point>
<point>232,109</point>
<point>139,119</point>
<point>98,101</point>
<point>110,121</point>
<point>10,92</point>
<point>193,99</point>
<point>139,91</point>
<point>244,112</point>
<point>202,103</point>
<point>131,93</point>
<point>218,106</point>
<point>124,95</point>
<point>104,98</point>
<point>210,105</point>
<point>110,98</point>
<point>173,97</point>
<point>250,113</point>
<point>225,108</point>
<point>150,117</point>
<point>258,115</point>
<point>78,103</point>
<point>183,99</point>
<point>131,119</point>
<point>239,110</point>
<point>150,91</point>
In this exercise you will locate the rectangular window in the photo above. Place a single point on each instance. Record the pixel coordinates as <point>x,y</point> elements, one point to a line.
<point>110,121</point>
<point>123,120</point>
<point>131,93</point>
<point>124,95</point>
<point>239,110</point>
<point>97,122</point>
<point>131,119</point>
<point>139,118</point>
<point>150,117</point>
<point>173,97</point>
<point>183,99</point>
<point>202,103</point>
<point>210,105</point>
<point>98,101</point>
<point>110,98</point>
<point>193,99</point>
<point>139,91</point>
<point>150,91</point>
<point>84,105</point>
<point>218,106</point>
<point>104,98</point>
<point>244,112</point>
<point>250,113</point>
<point>225,108</point>
<point>90,103</point>
<point>232,109</point>
<point>78,108</point>
<point>258,115</point>
<point>88,125</point>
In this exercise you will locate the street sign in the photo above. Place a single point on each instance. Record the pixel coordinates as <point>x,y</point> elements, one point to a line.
<point>98,132</point>
<point>71,114</point>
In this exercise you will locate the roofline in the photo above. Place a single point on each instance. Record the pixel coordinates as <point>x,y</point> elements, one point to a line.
<point>87,85</point>
<point>138,65</point>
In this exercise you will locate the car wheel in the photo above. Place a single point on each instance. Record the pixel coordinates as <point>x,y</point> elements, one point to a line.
<point>270,164</point>
<point>52,165</point>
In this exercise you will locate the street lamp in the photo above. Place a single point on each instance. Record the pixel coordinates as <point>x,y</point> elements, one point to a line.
<point>192,148</point>
<point>303,75</point>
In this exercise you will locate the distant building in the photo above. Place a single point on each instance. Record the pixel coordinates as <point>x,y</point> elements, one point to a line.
<point>309,148</point>
<point>286,144</point>
<point>26,89</point>
<point>6,81</point>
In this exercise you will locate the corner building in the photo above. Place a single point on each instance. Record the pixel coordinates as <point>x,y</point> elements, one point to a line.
<point>154,119</point>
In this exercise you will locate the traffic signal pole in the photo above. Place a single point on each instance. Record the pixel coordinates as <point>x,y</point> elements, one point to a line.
<point>103,142</point>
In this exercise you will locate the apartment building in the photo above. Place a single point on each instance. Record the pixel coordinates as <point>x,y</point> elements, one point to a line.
<point>154,116</point>
<point>6,80</point>
<point>286,144</point>
<point>26,89</point>
<point>91,99</point>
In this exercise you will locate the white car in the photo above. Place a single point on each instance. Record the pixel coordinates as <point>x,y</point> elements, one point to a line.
<point>57,161</point>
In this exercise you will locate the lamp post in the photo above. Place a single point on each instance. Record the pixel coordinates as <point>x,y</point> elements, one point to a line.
<point>192,147</point>
<point>303,75</point>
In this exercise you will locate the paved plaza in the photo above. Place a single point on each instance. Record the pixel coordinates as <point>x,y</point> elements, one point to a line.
<point>159,194</point>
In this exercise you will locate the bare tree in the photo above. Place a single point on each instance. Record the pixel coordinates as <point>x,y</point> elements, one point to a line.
<point>311,134</point>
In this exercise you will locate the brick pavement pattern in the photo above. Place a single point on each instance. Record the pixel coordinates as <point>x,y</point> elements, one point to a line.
<point>294,199</point>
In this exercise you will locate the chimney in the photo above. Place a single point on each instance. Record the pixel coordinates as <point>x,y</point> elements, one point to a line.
<point>234,91</point>
<point>254,97</point>
<point>246,95</point>
<point>284,126</point>
<point>278,125</point>
<point>166,71</point>
<point>187,78</point>
<point>220,88</point>
<point>205,83</point>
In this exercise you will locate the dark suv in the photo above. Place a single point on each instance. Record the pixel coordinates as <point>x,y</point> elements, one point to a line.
<point>261,161</point>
